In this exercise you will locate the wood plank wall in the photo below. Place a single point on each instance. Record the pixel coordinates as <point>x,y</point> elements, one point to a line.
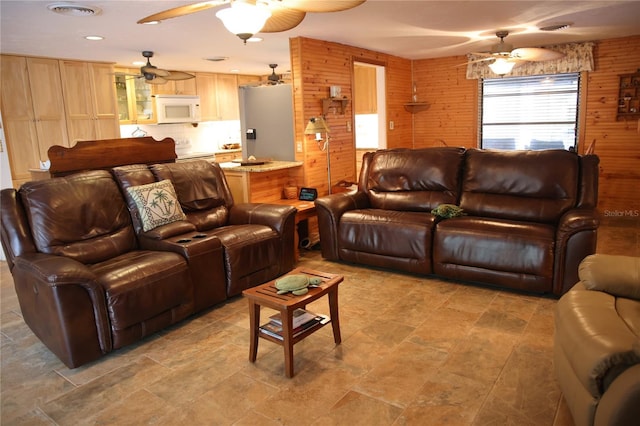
<point>453,114</point>
<point>617,143</point>
<point>452,117</point>
<point>316,65</point>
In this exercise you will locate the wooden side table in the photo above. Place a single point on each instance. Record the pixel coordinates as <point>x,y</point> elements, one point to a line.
<point>266,295</point>
<point>306,210</point>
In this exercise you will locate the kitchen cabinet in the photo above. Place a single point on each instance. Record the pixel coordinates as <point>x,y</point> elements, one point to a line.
<point>225,157</point>
<point>32,111</point>
<point>365,99</point>
<point>218,96</point>
<point>133,94</point>
<point>90,101</point>
<point>176,87</point>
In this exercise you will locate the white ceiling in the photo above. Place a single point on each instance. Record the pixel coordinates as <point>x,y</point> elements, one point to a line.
<point>411,29</point>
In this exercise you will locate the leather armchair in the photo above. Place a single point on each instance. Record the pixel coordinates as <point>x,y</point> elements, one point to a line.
<point>597,342</point>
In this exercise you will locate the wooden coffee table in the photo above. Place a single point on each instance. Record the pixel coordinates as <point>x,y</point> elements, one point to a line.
<point>266,295</point>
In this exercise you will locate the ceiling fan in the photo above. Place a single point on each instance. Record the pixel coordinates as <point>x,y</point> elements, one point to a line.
<point>245,18</point>
<point>505,57</point>
<point>274,78</point>
<point>155,75</point>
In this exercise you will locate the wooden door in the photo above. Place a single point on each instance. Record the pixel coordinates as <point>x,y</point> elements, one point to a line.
<point>103,99</point>
<point>77,88</point>
<point>48,104</point>
<point>227,95</point>
<point>18,118</point>
<point>206,85</point>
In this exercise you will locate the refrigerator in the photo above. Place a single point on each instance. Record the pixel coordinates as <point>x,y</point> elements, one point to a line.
<point>266,122</point>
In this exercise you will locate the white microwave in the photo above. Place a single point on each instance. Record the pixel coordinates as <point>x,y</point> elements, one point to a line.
<point>177,108</point>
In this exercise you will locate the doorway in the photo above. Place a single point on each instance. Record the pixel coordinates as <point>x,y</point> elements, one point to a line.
<point>369,103</point>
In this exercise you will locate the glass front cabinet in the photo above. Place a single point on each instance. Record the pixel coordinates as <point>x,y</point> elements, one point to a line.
<point>135,103</point>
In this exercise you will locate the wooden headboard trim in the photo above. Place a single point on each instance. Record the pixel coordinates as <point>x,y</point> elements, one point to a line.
<point>108,153</point>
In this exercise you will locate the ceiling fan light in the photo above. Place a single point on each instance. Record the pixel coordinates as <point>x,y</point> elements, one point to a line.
<point>243,19</point>
<point>501,66</point>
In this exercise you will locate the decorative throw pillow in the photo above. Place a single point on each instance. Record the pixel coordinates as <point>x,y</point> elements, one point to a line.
<point>157,204</point>
<point>447,211</point>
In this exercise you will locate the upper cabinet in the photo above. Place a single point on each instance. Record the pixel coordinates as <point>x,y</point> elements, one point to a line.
<point>135,101</point>
<point>365,99</point>
<point>176,87</point>
<point>219,95</point>
<point>32,111</point>
<point>90,101</point>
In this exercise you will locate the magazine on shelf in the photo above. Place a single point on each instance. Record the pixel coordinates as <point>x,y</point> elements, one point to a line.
<point>275,330</point>
<point>300,316</point>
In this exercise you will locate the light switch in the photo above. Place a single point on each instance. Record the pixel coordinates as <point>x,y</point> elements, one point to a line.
<point>391,125</point>
<point>299,146</point>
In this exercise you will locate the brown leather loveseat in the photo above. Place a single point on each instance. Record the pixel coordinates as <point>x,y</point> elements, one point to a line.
<point>529,216</point>
<point>90,279</point>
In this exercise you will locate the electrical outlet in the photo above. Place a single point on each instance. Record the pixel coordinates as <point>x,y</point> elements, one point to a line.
<point>348,126</point>
<point>299,146</point>
<point>391,125</point>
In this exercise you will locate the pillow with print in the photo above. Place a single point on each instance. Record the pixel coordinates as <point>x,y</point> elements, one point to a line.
<point>157,204</point>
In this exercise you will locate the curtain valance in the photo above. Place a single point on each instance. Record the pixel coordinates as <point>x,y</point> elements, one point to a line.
<point>578,57</point>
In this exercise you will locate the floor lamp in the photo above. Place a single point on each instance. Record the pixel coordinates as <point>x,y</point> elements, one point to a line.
<point>317,126</point>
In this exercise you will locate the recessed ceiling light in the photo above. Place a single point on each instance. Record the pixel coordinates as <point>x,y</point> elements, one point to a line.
<point>254,40</point>
<point>217,58</point>
<point>138,63</point>
<point>152,23</point>
<point>72,9</point>
<point>94,37</point>
<point>235,70</point>
<point>556,27</point>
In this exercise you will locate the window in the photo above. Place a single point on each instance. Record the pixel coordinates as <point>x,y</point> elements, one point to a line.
<point>538,112</point>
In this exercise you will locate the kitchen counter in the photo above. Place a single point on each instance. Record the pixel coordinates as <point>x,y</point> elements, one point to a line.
<point>268,166</point>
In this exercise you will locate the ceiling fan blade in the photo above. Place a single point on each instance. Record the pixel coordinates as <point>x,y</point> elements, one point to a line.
<point>475,61</point>
<point>182,10</point>
<point>535,54</point>
<point>157,80</point>
<point>150,69</point>
<point>282,19</point>
<point>178,75</point>
<point>485,54</point>
<point>320,6</point>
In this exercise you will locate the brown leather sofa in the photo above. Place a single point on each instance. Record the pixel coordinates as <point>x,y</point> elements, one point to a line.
<point>89,280</point>
<point>597,342</point>
<point>529,220</point>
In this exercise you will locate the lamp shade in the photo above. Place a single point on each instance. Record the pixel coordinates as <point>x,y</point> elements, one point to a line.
<point>316,125</point>
<point>501,66</point>
<point>244,19</point>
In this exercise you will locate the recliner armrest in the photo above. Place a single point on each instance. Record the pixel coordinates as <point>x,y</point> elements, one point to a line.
<point>330,209</point>
<point>272,215</point>
<point>616,275</point>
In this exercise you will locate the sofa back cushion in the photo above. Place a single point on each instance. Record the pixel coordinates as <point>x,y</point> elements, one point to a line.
<point>413,179</point>
<point>81,216</point>
<point>534,186</point>
<point>202,191</point>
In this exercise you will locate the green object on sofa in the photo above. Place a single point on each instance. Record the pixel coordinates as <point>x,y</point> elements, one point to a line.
<point>447,211</point>
<point>297,284</point>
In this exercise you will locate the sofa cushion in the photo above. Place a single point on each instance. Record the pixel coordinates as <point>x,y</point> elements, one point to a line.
<point>142,284</point>
<point>369,235</point>
<point>156,203</point>
<point>515,254</point>
<point>534,186</point>
<point>616,275</point>
<point>251,254</point>
<point>196,182</point>
<point>81,216</point>
<point>414,180</point>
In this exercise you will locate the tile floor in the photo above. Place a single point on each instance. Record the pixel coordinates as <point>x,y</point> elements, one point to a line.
<point>415,351</point>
